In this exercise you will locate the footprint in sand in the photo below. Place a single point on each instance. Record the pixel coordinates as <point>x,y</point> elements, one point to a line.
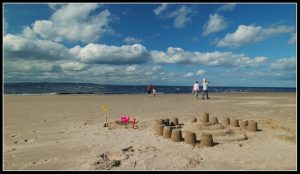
<point>40,162</point>
<point>13,149</point>
<point>28,140</point>
<point>88,122</point>
<point>61,132</point>
<point>108,160</point>
<point>192,162</point>
<point>14,135</point>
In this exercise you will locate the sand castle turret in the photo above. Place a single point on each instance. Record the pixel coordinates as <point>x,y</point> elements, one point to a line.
<point>176,135</point>
<point>167,131</point>
<point>213,120</point>
<point>234,122</point>
<point>243,124</point>
<point>174,121</point>
<point>204,117</point>
<point>166,121</point>
<point>252,126</point>
<point>206,139</point>
<point>225,121</point>
<point>190,137</point>
<point>155,123</point>
<point>159,129</point>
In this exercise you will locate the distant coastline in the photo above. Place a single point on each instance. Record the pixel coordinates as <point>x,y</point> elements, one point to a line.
<point>65,88</point>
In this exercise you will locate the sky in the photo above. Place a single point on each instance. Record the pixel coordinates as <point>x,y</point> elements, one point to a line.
<point>229,44</point>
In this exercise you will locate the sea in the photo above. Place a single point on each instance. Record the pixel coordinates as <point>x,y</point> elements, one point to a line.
<point>57,88</point>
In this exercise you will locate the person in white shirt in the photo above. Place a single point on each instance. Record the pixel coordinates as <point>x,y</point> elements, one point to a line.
<point>205,83</point>
<point>196,90</point>
<point>154,92</point>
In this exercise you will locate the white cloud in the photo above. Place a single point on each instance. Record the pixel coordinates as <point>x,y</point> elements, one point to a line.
<point>73,22</point>
<point>123,73</point>
<point>182,16</point>
<point>73,12</point>
<point>216,58</point>
<point>73,66</point>
<point>160,9</point>
<point>293,39</point>
<point>21,47</point>
<point>250,34</point>
<point>43,70</point>
<point>29,33</point>
<point>200,72</point>
<point>189,74</point>
<point>156,68</point>
<point>55,6</point>
<point>132,40</point>
<point>30,66</point>
<point>214,24</point>
<point>131,69</point>
<point>284,64</point>
<point>98,53</point>
<point>28,48</point>
<point>227,7</point>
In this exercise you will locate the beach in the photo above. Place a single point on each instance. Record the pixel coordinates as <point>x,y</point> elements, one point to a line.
<point>66,132</point>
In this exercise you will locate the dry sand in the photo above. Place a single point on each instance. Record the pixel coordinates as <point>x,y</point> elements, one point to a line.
<point>65,132</point>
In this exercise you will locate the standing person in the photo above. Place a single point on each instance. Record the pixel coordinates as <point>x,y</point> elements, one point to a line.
<point>149,89</point>
<point>196,89</point>
<point>205,83</point>
<point>154,92</point>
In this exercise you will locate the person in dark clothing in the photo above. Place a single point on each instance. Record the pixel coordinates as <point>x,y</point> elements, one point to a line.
<point>149,89</point>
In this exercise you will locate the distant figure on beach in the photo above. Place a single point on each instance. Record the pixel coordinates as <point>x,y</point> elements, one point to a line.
<point>196,89</point>
<point>205,83</point>
<point>149,89</point>
<point>154,92</point>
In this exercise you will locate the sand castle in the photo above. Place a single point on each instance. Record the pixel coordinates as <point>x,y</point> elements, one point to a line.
<point>206,139</point>
<point>252,126</point>
<point>190,137</point>
<point>159,129</point>
<point>174,121</point>
<point>226,121</point>
<point>243,124</point>
<point>207,128</point>
<point>234,122</point>
<point>167,131</point>
<point>176,135</point>
<point>214,120</point>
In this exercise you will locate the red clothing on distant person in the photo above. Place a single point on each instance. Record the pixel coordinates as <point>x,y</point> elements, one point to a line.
<point>149,89</point>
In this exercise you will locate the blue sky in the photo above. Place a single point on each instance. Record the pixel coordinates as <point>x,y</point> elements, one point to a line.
<point>230,44</point>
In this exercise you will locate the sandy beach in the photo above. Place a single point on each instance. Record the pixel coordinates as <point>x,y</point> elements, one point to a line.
<point>66,132</point>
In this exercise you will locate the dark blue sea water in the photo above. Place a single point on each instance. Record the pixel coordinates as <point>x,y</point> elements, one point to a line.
<point>86,88</point>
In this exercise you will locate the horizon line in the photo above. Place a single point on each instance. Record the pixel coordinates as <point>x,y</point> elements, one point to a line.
<point>153,84</point>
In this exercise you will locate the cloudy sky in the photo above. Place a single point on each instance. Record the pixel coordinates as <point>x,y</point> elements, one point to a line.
<point>250,45</point>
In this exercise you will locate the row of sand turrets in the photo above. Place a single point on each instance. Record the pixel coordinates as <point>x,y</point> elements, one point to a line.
<point>170,128</point>
<point>226,121</point>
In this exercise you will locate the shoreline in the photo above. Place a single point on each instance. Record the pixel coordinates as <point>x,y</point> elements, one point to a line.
<point>158,93</point>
